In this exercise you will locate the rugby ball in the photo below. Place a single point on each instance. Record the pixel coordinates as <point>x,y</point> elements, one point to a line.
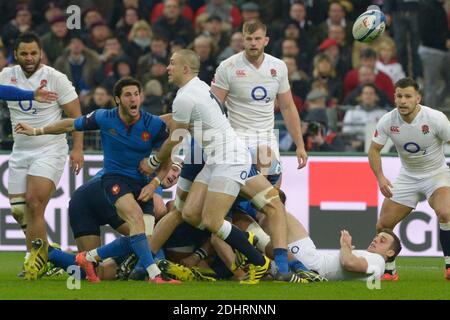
<point>369,26</point>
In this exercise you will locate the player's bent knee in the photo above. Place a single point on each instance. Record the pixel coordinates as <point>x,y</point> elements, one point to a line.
<point>19,210</point>
<point>268,198</point>
<point>211,224</point>
<point>443,215</point>
<point>191,216</point>
<point>35,205</point>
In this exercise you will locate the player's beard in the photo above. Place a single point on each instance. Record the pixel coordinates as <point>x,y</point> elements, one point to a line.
<point>30,69</point>
<point>410,112</point>
<point>254,54</point>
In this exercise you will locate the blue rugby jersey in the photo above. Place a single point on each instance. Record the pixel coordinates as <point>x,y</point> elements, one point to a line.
<point>124,146</point>
<point>11,93</point>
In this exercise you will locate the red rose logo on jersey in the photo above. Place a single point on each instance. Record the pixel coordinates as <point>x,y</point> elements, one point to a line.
<point>425,129</point>
<point>43,82</point>
<point>273,72</point>
<point>145,136</point>
<point>375,133</point>
<point>240,73</point>
<point>115,189</point>
<point>14,80</point>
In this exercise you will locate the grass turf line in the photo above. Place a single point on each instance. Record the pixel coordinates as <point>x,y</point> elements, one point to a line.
<point>420,278</point>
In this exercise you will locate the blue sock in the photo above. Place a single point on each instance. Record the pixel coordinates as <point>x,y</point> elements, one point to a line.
<point>159,255</point>
<point>280,256</point>
<point>140,246</point>
<point>139,264</point>
<point>238,240</point>
<point>221,270</point>
<point>62,259</point>
<point>296,265</point>
<point>119,247</point>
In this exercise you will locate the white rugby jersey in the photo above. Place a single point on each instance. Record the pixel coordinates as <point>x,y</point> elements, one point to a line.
<point>252,93</point>
<point>195,105</point>
<point>333,270</point>
<point>32,112</point>
<point>420,143</point>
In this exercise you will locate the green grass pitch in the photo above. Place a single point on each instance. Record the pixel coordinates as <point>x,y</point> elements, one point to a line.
<point>420,278</point>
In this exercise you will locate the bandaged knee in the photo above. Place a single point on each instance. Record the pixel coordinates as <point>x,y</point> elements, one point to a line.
<point>264,197</point>
<point>19,211</point>
<point>149,223</point>
<point>263,238</point>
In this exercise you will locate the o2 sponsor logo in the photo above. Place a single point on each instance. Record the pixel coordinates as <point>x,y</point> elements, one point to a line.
<point>26,109</point>
<point>411,147</point>
<point>259,93</point>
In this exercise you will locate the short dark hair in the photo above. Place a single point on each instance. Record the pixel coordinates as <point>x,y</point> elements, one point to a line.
<point>124,82</point>
<point>28,37</point>
<point>407,82</point>
<point>368,53</point>
<point>160,37</point>
<point>370,85</point>
<point>396,244</point>
<point>300,2</point>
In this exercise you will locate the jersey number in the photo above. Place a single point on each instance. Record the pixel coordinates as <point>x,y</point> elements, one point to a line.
<point>221,106</point>
<point>29,108</point>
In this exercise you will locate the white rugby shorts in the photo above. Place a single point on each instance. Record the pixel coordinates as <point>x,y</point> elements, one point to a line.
<point>408,190</point>
<point>47,162</point>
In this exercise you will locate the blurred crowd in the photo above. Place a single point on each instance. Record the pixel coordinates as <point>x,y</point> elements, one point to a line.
<point>341,87</point>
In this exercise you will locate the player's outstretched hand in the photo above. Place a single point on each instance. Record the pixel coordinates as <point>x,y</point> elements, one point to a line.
<point>76,160</point>
<point>23,128</point>
<point>144,168</point>
<point>42,95</point>
<point>385,187</point>
<point>346,239</point>
<point>302,157</point>
<point>147,192</point>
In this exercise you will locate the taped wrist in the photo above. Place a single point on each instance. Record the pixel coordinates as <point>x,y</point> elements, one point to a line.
<point>153,162</point>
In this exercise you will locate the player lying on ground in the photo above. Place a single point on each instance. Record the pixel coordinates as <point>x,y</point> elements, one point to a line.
<point>347,264</point>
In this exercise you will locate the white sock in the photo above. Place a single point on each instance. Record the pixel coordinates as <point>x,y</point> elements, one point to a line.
<point>390,266</point>
<point>444,226</point>
<point>447,260</point>
<point>263,238</point>
<point>153,271</point>
<point>224,230</point>
<point>91,255</point>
